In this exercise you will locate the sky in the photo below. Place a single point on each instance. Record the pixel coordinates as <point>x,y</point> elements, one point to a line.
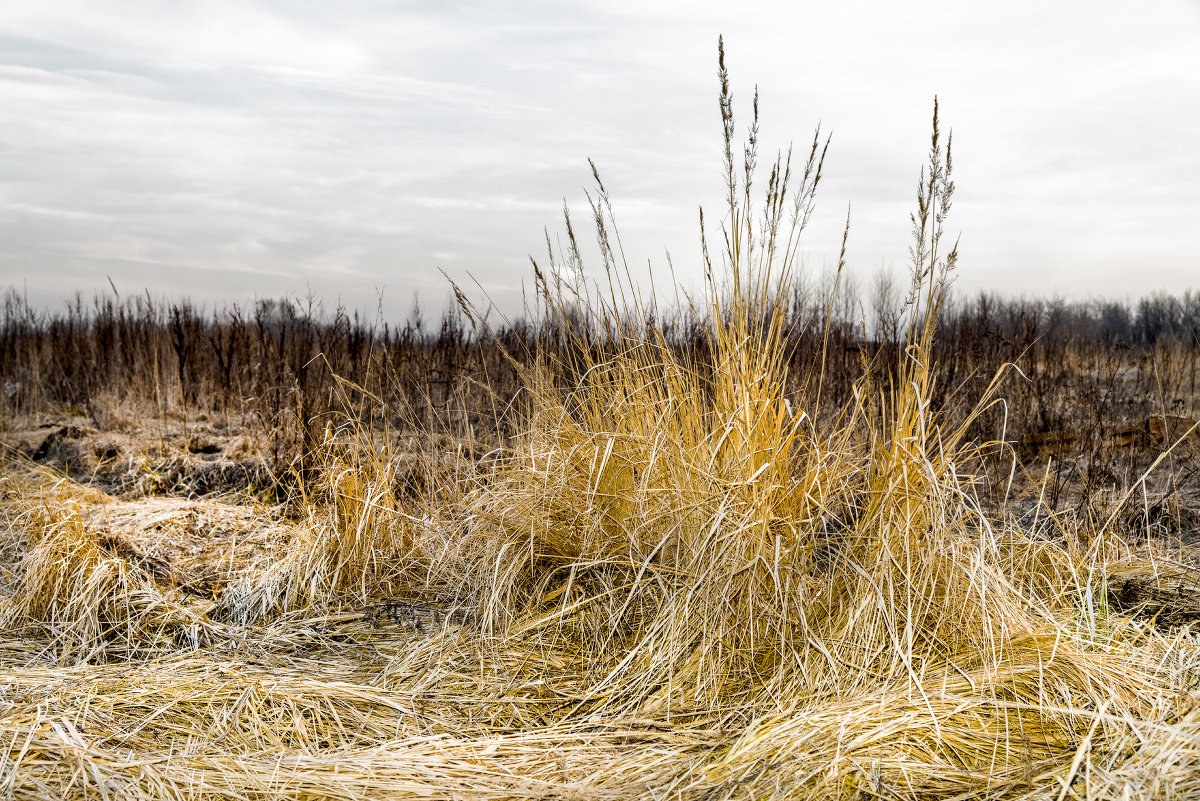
<point>363,151</point>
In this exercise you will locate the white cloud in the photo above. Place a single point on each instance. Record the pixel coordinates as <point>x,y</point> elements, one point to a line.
<point>353,145</point>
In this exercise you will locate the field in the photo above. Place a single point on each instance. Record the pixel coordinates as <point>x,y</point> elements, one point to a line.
<point>766,543</point>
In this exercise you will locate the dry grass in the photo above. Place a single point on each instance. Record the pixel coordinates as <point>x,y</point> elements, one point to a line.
<point>354,704</point>
<point>691,574</point>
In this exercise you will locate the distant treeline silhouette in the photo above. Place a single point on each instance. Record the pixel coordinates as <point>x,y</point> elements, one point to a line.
<point>288,367</point>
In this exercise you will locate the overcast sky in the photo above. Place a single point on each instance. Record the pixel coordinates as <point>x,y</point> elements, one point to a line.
<point>232,150</point>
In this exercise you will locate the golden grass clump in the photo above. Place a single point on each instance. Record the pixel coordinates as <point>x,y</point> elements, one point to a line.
<point>90,601</point>
<point>698,536</point>
<point>353,546</point>
<point>710,551</point>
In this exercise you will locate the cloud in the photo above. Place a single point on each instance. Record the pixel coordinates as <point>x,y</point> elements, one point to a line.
<point>224,148</point>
